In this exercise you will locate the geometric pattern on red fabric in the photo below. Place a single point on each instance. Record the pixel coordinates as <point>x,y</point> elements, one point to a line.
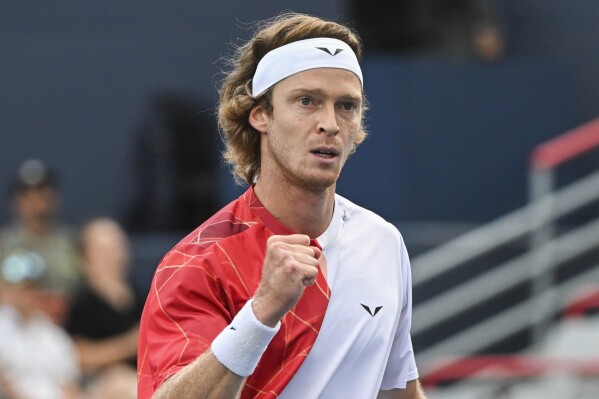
<point>203,282</point>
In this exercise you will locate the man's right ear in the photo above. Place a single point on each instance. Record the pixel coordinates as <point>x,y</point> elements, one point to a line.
<point>259,119</point>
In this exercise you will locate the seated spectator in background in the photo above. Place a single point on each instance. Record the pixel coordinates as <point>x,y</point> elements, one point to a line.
<point>116,382</point>
<point>37,357</point>
<point>35,200</point>
<point>104,316</point>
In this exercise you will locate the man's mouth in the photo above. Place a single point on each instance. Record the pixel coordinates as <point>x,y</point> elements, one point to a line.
<point>325,153</point>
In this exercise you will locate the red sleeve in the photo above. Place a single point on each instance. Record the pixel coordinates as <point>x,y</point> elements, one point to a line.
<point>185,310</point>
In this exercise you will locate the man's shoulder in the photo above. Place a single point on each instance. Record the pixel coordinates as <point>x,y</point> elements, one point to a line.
<point>8,317</point>
<point>227,225</point>
<point>231,220</point>
<point>59,234</point>
<point>211,252</point>
<point>10,233</point>
<point>366,217</point>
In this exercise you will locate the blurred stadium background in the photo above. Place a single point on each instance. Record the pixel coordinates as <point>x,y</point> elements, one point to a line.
<point>461,156</point>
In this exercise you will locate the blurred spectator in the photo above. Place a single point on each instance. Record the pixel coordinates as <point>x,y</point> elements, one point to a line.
<point>37,357</point>
<point>469,29</point>
<point>35,202</point>
<point>104,317</point>
<point>176,156</point>
<point>116,382</point>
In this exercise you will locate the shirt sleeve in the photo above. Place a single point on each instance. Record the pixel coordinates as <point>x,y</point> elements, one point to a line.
<point>185,310</point>
<point>401,365</point>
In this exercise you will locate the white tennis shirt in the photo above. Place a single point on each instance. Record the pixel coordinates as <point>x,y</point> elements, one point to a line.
<point>364,343</point>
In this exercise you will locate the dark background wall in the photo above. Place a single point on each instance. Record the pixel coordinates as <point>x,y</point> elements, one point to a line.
<point>452,142</point>
<point>449,140</point>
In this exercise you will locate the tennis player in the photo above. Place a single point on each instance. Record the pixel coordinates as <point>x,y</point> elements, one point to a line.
<point>290,291</point>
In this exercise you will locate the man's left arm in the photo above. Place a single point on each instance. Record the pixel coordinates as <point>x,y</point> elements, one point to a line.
<point>413,390</point>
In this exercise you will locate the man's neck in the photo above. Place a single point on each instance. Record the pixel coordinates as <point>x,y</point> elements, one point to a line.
<point>303,211</point>
<point>36,228</point>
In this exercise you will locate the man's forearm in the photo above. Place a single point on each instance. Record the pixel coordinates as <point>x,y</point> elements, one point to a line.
<point>94,354</point>
<point>204,378</point>
<point>413,390</point>
<point>239,348</point>
<point>419,391</point>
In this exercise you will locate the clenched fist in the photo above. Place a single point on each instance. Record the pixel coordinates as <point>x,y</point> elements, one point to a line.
<point>290,265</point>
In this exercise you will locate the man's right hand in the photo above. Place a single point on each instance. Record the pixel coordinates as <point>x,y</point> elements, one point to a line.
<point>290,265</point>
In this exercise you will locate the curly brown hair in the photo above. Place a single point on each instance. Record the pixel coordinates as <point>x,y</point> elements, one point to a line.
<point>242,141</point>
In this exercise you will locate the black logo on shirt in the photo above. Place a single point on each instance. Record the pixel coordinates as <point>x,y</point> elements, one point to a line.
<point>326,50</point>
<point>376,310</point>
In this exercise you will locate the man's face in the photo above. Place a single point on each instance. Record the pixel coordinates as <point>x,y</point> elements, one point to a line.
<point>315,118</point>
<point>106,250</point>
<point>37,203</point>
<point>26,297</point>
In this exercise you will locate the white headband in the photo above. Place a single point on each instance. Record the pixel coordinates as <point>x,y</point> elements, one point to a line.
<point>302,55</point>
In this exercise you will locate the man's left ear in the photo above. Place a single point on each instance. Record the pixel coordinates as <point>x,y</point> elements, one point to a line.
<point>258,119</point>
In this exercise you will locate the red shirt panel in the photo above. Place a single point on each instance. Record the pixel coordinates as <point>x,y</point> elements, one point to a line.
<point>203,282</point>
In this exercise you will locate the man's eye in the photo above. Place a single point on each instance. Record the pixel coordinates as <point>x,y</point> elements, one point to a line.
<point>348,106</point>
<point>305,101</point>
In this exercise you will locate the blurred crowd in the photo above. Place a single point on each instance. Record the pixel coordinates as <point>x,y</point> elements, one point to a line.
<point>69,313</point>
<point>69,310</point>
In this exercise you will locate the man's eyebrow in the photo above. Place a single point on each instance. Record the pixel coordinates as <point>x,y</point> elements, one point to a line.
<point>351,97</point>
<point>303,90</point>
<point>321,92</point>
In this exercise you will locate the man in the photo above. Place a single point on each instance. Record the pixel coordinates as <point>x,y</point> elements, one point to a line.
<point>291,291</point>
<point>36,200</point>
<point>37,357</point>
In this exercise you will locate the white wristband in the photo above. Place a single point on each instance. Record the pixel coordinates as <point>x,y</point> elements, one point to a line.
<point>241,344</point>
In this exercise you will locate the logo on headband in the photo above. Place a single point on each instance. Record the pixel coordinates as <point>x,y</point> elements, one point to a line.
<point>326,50</point>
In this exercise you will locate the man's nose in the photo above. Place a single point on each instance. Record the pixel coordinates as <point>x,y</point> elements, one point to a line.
<point>328,121</point>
